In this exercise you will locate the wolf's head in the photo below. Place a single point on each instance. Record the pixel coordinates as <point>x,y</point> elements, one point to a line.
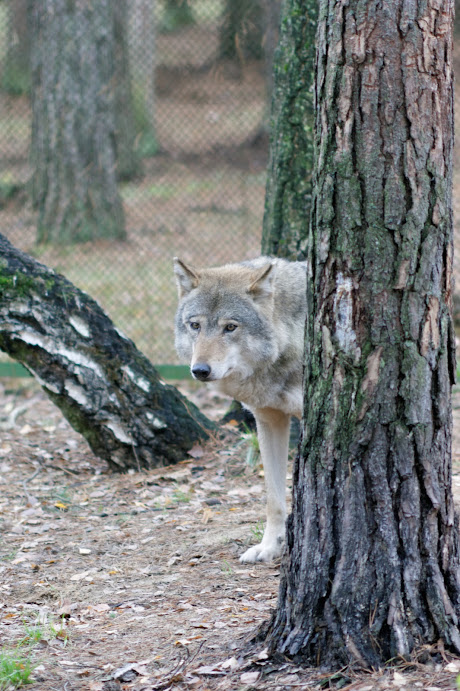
<point>223,325</point>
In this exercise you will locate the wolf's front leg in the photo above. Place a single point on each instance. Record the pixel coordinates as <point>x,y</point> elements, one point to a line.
<point>273,432</point>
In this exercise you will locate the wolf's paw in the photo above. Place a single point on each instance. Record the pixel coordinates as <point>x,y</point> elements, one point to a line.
<point>263,552</point>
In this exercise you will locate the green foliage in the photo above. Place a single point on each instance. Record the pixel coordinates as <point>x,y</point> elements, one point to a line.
<point>146,141</point>
<point>9,188</point>
<point>15,670</point>
<point>176,15</point>
<point>16,80</point>
<point>251,442</point>
<point>18,283</point>
<point>258,531</point>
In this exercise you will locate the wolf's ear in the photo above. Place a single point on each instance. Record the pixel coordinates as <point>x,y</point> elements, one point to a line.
<point>187,278</point>
<point>261,285</point>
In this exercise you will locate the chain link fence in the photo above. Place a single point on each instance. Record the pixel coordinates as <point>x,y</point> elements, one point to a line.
<point>198,94</point>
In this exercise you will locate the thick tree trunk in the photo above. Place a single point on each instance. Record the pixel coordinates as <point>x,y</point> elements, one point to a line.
<point>74,133</point>
<point>289,183</point>
<point>372,562</point>
<point>104,386</point>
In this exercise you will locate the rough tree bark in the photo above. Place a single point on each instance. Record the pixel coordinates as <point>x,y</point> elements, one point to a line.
<point>74,135</point>
<point>371,568</point>
<point>106,388</point>
<point>289,183</point>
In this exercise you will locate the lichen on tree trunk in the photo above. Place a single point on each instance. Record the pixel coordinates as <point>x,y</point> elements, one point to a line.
<point>105,387</point>
<point>372,563</point>
<point>289,182</point>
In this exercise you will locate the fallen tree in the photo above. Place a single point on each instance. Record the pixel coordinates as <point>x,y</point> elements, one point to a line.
<point>105,387</point>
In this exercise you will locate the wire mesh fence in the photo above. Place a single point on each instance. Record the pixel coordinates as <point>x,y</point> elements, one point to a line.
<point>187,81</point>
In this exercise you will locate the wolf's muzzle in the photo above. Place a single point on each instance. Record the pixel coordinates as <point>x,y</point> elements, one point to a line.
<point>201,371</point>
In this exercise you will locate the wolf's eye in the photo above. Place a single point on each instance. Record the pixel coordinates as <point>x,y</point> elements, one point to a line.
<point>230,327</point>
<point>195,326</point>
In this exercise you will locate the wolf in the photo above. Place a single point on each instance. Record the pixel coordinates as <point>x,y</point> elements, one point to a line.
<point>241,326</point>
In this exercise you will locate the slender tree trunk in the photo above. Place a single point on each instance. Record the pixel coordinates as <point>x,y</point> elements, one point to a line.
<point>73,148</point>
<point>142,49</point>
<point>372,563</point>
<point>176,15</point>
<point>104,386</point>
<point>289,183</point>
<point>128,160</point>
<point>16,68</point>
<point>242,31</point>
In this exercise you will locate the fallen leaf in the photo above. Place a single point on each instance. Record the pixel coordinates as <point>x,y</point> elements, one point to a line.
<point>102,607</point>
<point>249,677</point>
<point>208,670</point>
<point>80,576</point>
<point>231,664</point>
<point>196,451</point>
<point>399,679</point>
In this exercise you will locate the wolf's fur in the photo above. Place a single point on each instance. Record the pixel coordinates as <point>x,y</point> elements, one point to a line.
<point>242,327</point>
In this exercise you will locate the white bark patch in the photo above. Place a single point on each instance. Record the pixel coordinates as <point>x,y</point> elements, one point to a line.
<point>119,431</point>
<point>137,379</point>
<point>19,308</point>
<point>76,392</point>
<point>327,350</point>
<point>370,381</point>
<point>120,333</point>
<point>54,348</point>
<point>155,422</point>
<point>430,332</point>
<point>80,326</point>
<point>343,313</point>
<point>46,384</point>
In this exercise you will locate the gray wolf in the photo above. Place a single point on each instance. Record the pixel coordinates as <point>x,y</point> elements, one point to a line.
<point>241,326</point>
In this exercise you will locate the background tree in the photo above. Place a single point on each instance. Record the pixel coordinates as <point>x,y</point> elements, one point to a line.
<point>74,135</point>
<point>289,182</point>
<point>142,50</point>
<point>176,15</point>
<point>128,160</point>
<point>105,387</point>
<point>16,70</point>
<point>242,31</point>
<point>372,562</point>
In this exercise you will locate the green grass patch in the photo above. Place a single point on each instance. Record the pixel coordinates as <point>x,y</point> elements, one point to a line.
<point>15,670</point>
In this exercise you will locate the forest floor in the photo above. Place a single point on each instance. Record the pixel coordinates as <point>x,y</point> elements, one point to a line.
<point>111,582</point>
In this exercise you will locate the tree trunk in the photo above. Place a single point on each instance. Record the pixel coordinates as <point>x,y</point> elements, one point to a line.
<point>142,49</point>
<point>128,160</point>
<point>242,31</point>
<point>105,387</point>
<point>289,183</point>
<point>74,135</point>
<point>176,15</point>
<point>16,69</point>
<point>372,562</point>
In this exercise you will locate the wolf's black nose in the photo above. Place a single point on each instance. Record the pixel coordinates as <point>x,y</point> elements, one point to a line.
<point>201,371</point>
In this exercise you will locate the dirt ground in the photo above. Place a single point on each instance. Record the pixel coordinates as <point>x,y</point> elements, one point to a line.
<point>111,582</point>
